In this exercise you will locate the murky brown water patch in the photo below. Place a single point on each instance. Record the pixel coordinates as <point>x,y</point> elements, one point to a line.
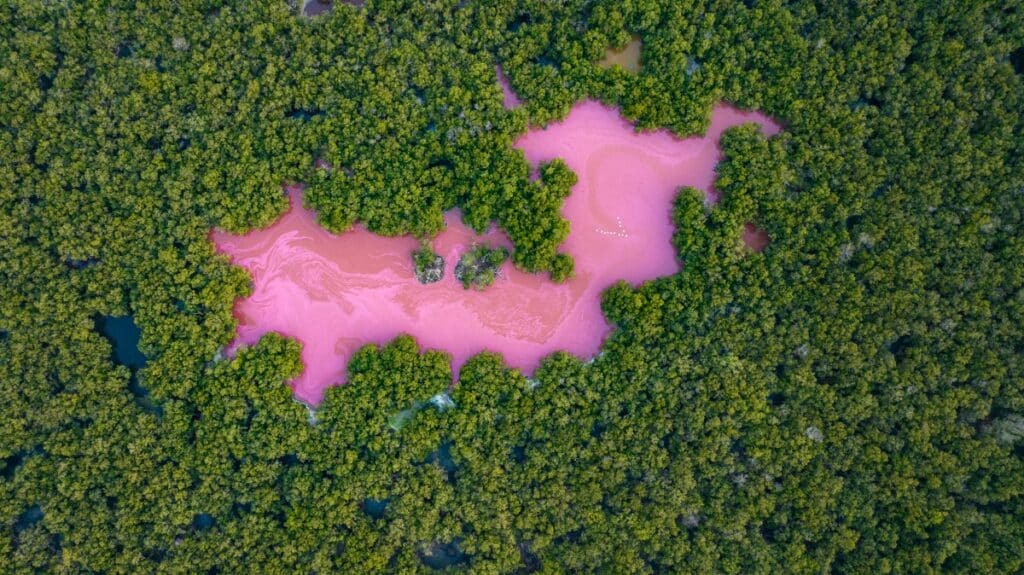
<point>627,57</point>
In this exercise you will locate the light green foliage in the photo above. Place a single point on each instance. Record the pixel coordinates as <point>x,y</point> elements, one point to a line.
<point>847,401</point>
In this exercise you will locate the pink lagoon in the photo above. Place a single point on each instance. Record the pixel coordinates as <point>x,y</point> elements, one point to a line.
<point>335,293</point>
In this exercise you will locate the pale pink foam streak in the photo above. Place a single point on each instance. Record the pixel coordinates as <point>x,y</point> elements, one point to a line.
<point>335,293</point>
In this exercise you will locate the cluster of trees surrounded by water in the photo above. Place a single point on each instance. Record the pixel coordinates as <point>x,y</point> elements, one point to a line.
<point>849,400</point>
<point>478,267</point>
<point>427,265</point>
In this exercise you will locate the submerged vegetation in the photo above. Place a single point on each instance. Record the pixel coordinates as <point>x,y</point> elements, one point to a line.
<point>478,267</point>
<point>850,400</point>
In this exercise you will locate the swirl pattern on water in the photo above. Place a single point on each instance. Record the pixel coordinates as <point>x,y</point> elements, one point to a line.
<point>335,293</point>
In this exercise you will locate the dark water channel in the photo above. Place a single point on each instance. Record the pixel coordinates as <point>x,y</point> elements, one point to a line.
<point>124,336</point>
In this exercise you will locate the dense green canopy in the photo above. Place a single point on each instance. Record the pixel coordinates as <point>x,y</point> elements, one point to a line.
<point>850,400</point>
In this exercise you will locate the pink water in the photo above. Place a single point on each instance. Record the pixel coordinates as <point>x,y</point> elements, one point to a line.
<point>755,238</point>
<point>509,97</point>
<point>335,293</point>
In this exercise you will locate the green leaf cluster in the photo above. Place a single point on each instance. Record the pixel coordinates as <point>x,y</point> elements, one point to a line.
<point>479,266</point>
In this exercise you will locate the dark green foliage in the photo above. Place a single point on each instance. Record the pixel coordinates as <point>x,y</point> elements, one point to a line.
<point>849,401</point>
<point>478,267</point>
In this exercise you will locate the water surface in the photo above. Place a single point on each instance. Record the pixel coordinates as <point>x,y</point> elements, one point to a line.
<point>509,97</point>
<point>336,293</point>
<point>755,238</point>
<point>627,57</point>
<point>124,336</point>
<point>317,7</point>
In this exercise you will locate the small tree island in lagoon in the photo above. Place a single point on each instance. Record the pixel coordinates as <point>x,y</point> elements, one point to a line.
<point>478,267</point>
<point>791,347</point>
<point>428,267</point>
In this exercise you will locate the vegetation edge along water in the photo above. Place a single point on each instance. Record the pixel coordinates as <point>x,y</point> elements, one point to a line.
<point>847,401</point>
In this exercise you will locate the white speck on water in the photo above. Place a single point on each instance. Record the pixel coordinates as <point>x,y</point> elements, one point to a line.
<point>620,233</point>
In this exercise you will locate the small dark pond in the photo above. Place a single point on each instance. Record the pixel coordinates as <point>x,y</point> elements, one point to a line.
<point>375,507</point>
<point>443,459</point>
<point>443,555</point>
<point>324,7</point>
<point>1017,60</point>
<point>124,50</point>
<point>303,114</point>
<point>9,465</point>
<point>317,7</point>
<point>531,563</point>
<point>124,337</point>
<point>202,522</point>
<point>29,518</point>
